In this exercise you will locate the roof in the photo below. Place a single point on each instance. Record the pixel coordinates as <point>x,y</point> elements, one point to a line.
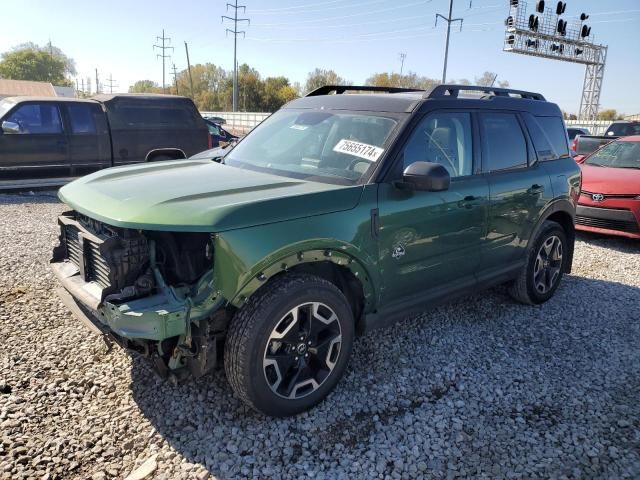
<point>18,99</point>
<point>630,138</point>
<point>107,97</point>
<point>25,87</point>
<point>374,102</point>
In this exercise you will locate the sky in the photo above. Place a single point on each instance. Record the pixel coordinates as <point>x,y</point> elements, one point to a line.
<point>356,38</point>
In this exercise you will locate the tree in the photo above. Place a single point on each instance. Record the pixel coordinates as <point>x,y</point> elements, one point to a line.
<point>277,92</point>
<point>488,79</point>
<point>409,80</point>
<point>30,62</point>
<point>145,86</point>
<point>320,77</point>
<point>610,115</point>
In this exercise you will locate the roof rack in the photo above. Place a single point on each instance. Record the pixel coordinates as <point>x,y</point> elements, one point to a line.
<point>454,90</point>
<point>340,89</point>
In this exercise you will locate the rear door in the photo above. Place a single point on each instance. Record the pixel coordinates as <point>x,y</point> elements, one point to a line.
<point>431,241</point>
<point>88,136</point>
<point>41,141</point>
<point>519,187</point>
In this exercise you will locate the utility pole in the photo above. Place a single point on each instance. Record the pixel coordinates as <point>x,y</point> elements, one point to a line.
<point>163,47</point>
<point>111,82</point>
<point>449,21</point>
<point>186,47</point>
<point>175,78</point>
<point>235,33</point>
<point>402,58</point>
<point>97,83</point>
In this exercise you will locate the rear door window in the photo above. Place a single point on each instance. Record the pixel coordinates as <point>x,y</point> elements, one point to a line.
<point>37,119</point>
<point>82,118</point>
<point>504,144</point>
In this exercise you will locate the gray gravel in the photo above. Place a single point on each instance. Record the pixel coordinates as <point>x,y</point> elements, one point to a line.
<point>480,388</point>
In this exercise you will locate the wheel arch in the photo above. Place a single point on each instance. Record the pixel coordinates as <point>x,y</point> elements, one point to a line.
<point>562,212</point>
<point>174,153</point>
<point>343,270</point>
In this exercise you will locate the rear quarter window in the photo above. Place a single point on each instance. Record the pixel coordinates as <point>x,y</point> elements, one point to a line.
<point>556,134</point>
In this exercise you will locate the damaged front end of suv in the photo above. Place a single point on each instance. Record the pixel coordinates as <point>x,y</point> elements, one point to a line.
<point>152,292</point>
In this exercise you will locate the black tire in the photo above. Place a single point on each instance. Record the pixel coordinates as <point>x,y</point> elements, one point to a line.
<point>250,343</point>
<point>526,288</point>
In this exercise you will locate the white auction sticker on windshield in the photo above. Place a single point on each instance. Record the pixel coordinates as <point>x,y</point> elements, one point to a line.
<point>357,149</point>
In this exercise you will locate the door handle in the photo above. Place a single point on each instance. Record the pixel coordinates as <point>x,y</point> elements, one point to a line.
<point>466,202</point>
<point>535,189</point>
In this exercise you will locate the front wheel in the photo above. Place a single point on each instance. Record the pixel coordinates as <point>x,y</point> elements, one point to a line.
<point>546,263</point>
<point>288,347</point>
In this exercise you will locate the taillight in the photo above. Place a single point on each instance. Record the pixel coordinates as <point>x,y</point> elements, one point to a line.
<point>574,144</point>
<point>210,141</point>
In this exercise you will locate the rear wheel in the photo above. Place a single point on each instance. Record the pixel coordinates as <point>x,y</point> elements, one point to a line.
<point>287,348</point>
<point>541,275</point>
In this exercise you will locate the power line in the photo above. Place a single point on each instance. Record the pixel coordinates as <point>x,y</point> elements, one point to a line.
<point>235,33</point>
<point>281,9</point>
<point>324,9</point>
<point>163,47</point>
<point>449,21</point>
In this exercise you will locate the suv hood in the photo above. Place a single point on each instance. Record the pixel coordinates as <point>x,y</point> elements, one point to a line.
<point>610,180</point>
<point>200,196</point>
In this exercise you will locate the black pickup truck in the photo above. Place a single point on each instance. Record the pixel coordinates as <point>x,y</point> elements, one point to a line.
<point>585,144</point>
<point>69,135</point>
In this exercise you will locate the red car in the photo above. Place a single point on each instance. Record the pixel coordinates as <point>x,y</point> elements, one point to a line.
<point>610,198</point>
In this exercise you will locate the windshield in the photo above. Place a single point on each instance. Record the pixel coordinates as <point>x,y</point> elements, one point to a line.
<point>617,155</point>
<point>623,129</point>
<point>331,147</point>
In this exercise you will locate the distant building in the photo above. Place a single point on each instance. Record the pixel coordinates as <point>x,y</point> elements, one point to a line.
<point>635,117</point>
<point>12,88</point>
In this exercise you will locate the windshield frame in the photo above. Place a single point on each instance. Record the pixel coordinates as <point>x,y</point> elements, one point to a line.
<point>399,117</point>
<point>610,145</point>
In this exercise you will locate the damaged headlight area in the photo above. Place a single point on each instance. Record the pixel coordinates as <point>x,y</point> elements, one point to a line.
<point>152,292</point>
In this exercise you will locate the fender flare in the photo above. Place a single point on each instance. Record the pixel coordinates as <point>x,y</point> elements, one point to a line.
<point>292,260</point>
<point>167,151</point>
<point>563,205</point>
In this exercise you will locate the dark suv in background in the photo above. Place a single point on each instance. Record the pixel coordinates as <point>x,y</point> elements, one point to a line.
<point>67,135</point>
<point>338,214</point>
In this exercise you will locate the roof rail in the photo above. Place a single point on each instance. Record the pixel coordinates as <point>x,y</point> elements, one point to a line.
<point>340,89</point>
<point>454,90</point>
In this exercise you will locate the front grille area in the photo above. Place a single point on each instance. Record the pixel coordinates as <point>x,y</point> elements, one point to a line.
<point>610,224</point>
<point>113,258</point>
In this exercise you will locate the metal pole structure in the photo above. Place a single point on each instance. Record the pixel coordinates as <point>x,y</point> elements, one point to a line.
<point>186,47</point>
<point>163,47</point>
<point>402,58</point>
<point>97,83</point>
<point>449,21</point>
<point>175,78</point>
<point>235,32</point>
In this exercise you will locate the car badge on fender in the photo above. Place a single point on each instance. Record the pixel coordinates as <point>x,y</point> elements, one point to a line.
<point>398,251</point>
<point>597,197</point>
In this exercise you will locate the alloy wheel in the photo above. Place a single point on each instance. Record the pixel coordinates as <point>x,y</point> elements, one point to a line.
<point>548,264</point>
<point>302,350</point>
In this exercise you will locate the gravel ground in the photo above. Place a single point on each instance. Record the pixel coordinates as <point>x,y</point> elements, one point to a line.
<point>483,387</point>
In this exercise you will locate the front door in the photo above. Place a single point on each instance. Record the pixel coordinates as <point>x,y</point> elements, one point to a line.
<point>431,241</point>
<point>41,141</point>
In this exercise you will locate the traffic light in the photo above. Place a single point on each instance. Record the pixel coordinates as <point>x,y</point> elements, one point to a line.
<point>585,32</point>
<point>540,6</point>
<point>583,17</point>
<point>509,22</point>
<point>579,51</point>
<point>511,39</point>
<point>514,3</point>
<point>532,44</point>
<point>557,48</point>
<point>561,7</point>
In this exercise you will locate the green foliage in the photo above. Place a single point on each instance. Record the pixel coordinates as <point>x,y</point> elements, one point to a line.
<point>145,86</point>
<point>610,115</point>
<point>408,80</point>
<point>320,77</point>
<point>41,64</point>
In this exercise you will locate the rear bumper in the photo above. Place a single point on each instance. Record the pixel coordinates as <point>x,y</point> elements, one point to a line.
<point>609,221</point>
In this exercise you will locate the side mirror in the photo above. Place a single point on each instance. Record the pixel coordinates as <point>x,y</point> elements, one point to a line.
<point>427,176</point>
<point>10,127</point>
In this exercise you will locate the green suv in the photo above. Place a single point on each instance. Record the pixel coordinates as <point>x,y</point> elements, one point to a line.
<point>342,212</point>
